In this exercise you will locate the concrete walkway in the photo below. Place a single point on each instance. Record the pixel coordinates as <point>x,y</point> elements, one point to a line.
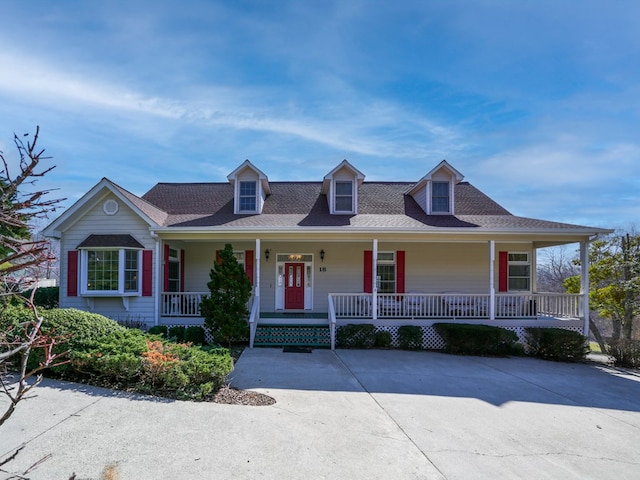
<point>351,414</point>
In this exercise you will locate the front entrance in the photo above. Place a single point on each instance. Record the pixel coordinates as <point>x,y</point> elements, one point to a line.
<point>294,286</point>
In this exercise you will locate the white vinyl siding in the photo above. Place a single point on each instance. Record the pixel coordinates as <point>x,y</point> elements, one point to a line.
<point>95,221</point>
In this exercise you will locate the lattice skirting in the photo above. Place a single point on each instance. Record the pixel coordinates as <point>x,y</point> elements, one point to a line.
<point>207,334</point>
<point>285,335</point>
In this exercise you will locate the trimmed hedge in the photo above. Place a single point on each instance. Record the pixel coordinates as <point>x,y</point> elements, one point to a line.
<point>158,330</point>
<point>195,335</point>
<point>469,339</point>
<point>410,337</point>
<point>176,334</point>
<point>556,344</point>
<point>383,339</point>
<point>356,336</point>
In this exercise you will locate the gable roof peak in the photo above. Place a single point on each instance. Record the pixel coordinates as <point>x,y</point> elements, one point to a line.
<point>248,165</point>
<point>358,175</point>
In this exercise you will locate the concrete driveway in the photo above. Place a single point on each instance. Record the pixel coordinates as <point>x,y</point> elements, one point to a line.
<point>349,414</point>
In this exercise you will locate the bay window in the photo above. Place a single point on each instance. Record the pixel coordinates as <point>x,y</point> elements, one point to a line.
<point>111,271</point>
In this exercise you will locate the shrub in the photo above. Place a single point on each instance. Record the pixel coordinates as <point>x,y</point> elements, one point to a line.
<point>188,372</point>
<point>45,297</point>
<point>410,337</point>
<point>556,344</point>
<point>131,322</point>
<point>626,353</point>
<point>195,335</point>
<point>158,330</point>
<point>468,339</point>
<point>176,334</point>
<point>356,336</point>
<point>383,339</point>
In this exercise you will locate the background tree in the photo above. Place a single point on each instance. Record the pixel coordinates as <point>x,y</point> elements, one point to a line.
<point>614,292</point>
<point>225,310</point>
<point>21,204</point>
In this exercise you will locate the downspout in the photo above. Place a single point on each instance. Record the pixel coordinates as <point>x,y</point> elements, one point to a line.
<point>157,296</point>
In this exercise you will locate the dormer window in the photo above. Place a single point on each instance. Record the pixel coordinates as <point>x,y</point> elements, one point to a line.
<point>435,192</point>
<point>248,196</point>
<point>340,186</point>
<point>250,189</point>
<point>440,197</point>
<point>344,196</point>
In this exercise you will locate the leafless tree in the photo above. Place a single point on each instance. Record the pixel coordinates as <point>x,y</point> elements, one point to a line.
<point>21,204</point>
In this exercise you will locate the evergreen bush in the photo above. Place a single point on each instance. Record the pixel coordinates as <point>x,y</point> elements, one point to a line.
<point>556,344</point>
<point>626,353</point>
<point>225,309</point>
<point>383,339</point>
<point>470,339</point>
<point>410,337</point>
<point>356,336</point>
<point>195,335</point>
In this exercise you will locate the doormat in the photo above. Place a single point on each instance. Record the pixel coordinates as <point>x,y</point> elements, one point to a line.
<point>293,349</point>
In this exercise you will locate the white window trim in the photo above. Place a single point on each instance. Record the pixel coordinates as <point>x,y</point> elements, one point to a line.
<point>519,262</point>
<point>354,197</point>
<point>430,197</point>
<point>258,196</point>
<point>84,265</point>
<point>387,262</point>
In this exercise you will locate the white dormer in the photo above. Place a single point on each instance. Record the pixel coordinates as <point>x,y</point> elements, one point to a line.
<point>340,186</point>
<point>250,188</point>
<point>435,191</point>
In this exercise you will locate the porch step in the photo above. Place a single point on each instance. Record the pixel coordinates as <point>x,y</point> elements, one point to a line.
<point>299,335</point>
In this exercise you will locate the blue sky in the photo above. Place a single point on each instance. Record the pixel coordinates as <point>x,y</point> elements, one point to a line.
<point>536,103</point>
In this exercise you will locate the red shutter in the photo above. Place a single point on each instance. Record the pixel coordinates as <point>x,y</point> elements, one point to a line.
<point>368,271</point>
<point>400,271</point>
<point>166,268</point>
<point>72,273</point>
<point>147,273</point>
<point>182,270</point>
<point>218,259</point>
<point>248,264</point>
<point>503,272</point>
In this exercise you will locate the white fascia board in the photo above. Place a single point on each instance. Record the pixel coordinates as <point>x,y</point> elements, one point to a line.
<point>264,180</point>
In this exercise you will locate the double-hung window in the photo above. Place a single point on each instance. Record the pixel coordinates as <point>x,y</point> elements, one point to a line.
<point>386,272</point>
<point>248,196</point>
<point>440,202</point>
<point>519,271</point>
<point>111,271</point>
<point>344,196</point>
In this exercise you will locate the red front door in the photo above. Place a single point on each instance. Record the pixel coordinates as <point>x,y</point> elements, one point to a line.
<point>294,286</point>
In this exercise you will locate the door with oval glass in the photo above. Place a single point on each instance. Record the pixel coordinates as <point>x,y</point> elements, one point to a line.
<point>294,286</point>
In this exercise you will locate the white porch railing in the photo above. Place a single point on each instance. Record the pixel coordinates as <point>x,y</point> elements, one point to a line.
<point>455,305</point>
<point>181,304</point>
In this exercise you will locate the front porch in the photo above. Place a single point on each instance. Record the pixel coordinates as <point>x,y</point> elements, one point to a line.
<point>390,311</point>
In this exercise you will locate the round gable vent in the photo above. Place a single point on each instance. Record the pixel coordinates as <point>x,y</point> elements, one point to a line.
<point>110,207</point>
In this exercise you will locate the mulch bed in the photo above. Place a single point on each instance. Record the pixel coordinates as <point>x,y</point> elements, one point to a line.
<point>233,396</point>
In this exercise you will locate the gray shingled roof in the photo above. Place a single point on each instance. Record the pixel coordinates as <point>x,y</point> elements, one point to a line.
<point>301,204</point>
<point>125,241</point>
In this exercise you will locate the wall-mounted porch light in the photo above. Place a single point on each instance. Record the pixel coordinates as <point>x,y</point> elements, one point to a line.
<point>267,252</point>
<point>322,254</point>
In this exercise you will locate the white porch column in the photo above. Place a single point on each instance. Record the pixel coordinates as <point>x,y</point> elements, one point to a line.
<point>584,284</point>
<point>256,285</point>
<point>374,286</point>
<point>159,278</point>
<point>492,288</point>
